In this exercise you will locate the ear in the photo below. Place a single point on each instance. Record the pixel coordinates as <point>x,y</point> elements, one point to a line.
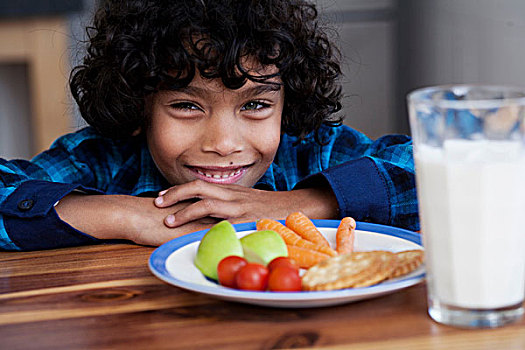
<point>137,132</point>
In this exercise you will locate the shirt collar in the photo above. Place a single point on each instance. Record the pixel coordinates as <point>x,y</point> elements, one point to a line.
<point>267,181</point>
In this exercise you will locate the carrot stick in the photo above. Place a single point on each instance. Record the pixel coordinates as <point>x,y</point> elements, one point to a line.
<point>305,228</point>
<point>345,236</point>
<point>304,257</point>
<point>290,237</point>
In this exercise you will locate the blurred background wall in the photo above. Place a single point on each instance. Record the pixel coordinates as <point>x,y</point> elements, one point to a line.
<point>40,40</point>
<point>390,47</point>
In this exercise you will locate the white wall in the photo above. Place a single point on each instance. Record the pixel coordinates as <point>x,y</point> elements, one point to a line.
<point>461,41</point>
<point>467,41</point>
<point>367,37</point>
<point>15,108</point>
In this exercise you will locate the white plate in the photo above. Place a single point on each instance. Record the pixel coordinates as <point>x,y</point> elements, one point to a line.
<point>173,263</point>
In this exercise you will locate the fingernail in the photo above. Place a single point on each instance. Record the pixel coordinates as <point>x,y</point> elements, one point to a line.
<point>159,200</point>
<point>162,193</point>
<point>170,219</point>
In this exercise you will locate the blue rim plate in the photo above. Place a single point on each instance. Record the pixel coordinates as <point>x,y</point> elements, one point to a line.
<point>173,263</point>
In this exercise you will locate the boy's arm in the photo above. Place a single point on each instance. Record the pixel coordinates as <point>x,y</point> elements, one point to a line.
<point>31,221</point>
<point>30,189</point>
<point>118,217</point>
<point>28,220</point>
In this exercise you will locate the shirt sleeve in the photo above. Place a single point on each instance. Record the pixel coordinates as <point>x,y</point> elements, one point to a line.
<point>372,181</point>
<point>30,221</point>
<point>29,191</point>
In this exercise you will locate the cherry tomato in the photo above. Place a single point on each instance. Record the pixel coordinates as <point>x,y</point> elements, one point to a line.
<point>228,268</point>
<point>252,277</point>
<point>284,279</point>
<point>282,261</point>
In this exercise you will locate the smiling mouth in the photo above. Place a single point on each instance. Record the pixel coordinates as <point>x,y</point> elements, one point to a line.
<point>219,175</point>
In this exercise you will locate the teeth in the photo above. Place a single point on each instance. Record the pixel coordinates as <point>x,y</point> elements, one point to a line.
<point>225,176</point>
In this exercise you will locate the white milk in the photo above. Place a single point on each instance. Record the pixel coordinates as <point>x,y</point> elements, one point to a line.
<point>472,209</point>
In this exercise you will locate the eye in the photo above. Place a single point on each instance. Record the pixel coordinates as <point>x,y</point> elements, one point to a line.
<point>254,106</point>
<point>185,106</point>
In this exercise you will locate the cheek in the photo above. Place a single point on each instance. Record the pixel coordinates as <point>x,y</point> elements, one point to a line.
<point>160,149</point>
<point>266,140</point>
<point>166,142</point>
<point>272,143</point>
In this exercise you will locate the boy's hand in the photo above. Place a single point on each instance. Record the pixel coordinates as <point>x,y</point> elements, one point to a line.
<point>238,203</point>
<point>124,217</point>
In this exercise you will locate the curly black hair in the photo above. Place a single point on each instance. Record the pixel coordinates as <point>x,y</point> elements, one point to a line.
<point>138,47</point>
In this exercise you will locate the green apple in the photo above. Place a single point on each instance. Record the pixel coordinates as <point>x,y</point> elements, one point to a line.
<point>219,242</point>
<point>263,246</point>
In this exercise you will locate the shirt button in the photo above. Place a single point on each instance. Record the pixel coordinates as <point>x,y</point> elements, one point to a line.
<point>26,204</point>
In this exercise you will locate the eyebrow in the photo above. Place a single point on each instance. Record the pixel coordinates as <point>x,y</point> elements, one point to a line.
<point>260,89</point>
<point>246,93</point>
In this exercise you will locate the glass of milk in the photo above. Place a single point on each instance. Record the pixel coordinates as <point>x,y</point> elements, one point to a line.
<point>469,151</point>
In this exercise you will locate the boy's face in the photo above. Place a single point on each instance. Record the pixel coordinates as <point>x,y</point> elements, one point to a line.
<point>206,131</point>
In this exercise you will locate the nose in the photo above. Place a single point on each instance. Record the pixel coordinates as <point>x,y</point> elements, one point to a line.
<point>222,135</point>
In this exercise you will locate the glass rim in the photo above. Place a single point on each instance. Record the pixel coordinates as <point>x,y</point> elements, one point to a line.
<point>420,96</point>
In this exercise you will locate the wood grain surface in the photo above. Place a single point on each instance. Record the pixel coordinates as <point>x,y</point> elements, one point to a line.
<point>105,297</point>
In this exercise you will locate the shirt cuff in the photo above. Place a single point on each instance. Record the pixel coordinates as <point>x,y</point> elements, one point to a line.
<point>359,188</point>
<point>31,221</point>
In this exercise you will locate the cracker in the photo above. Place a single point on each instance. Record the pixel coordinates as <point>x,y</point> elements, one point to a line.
<point>358,269</point>
<point>409,260</point>
<point>388,264</point>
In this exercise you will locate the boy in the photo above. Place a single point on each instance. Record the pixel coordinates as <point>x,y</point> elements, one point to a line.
<point>199,111</point>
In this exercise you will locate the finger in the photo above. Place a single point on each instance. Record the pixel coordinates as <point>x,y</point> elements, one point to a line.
<point>159,201</point>
<point>193,189</point>
<point>204,208</point>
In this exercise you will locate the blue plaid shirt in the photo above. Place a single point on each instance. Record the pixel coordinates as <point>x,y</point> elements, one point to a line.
<point>372,180</point>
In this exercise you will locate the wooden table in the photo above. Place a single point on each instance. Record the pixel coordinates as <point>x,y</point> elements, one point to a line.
<point>104,297</point>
